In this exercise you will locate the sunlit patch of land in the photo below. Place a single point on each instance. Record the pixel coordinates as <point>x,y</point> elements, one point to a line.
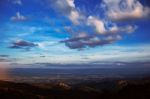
<point>4,75</point>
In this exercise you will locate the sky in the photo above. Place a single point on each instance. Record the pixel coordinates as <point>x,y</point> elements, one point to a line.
<point>74,32</point>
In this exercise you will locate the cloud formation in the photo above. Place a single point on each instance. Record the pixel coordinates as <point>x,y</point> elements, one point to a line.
<point>101,35</point>
<point>18,17</point>
<point>103,31</point>
<point>4,60</point>
<point>97,23</point>
<point>68,9</point>
<point>122,10</point>
<point>4,55</point>
<point>21,44</point>
<point>100,27</point>
<point>85,41</point>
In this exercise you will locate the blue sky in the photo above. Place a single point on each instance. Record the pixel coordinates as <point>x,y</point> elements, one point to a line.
<point>74,31</point>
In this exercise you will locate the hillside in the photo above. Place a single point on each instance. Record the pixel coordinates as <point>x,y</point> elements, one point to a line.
<point>117,89</point>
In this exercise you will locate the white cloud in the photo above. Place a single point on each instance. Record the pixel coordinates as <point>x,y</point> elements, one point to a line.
<point>71,3</point>
<point>18,17</point>
<point>74,16</point>
<point>102,35</point>
<point>111,53</point>
<point>46,44</point>
<point>68,9</point>
<point>126,29</point>
<point>97,23</point>
<point>122,10</point>
<point>101,29</point>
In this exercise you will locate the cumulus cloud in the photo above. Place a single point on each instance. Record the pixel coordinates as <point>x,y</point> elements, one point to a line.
<point>74,16</point>
<point>100,31</point>
<point>18,17</point>
<point>68,9</point>
<point>97,23</point>
<point>100,27</point>
<point>122,10</point>
<point>100,37</point>
<point>21,44</point>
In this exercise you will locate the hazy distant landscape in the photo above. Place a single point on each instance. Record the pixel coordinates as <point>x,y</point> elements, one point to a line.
<point>66,84</point>
<point>46,75</point>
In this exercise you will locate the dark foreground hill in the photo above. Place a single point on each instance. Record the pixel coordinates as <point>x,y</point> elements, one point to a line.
<point>118,89</point>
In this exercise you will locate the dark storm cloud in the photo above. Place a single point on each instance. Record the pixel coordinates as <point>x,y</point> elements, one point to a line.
<point>21,44</point>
